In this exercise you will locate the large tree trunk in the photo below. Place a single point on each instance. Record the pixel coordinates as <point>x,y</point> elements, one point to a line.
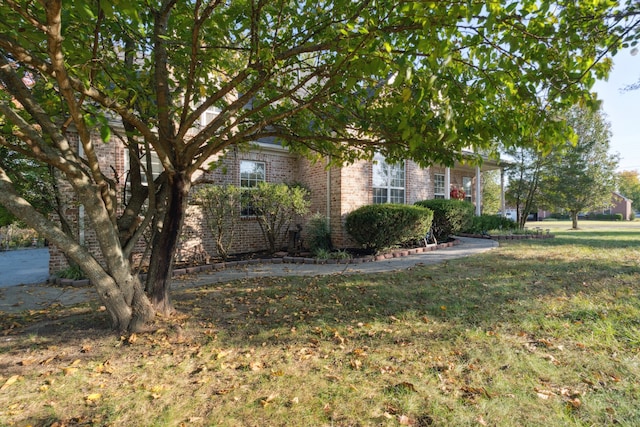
<point>574,220</point>
<point>165,243</point>
<point>129,314</point>
<point>119,290</point>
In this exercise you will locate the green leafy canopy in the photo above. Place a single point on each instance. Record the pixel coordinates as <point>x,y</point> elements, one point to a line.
<point>411,79</point>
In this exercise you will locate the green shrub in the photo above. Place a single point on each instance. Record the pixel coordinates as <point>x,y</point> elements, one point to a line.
<point>318,234</point>
<point>378,227</point>
<point>274,207</point>
<point>72,272</point>
<point>559,215</point>
<point>618,217</point>
<point>323,254</point>
<point>220,204</point>
<point>605,217</point>
<point>484,223</point>
<point>449,216</point>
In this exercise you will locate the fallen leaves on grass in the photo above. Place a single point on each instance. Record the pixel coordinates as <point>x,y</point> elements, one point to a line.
<point>12,380</point>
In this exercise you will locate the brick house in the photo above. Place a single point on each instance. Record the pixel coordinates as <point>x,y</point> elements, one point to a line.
<point>622,205</point>
<point>334,191</point>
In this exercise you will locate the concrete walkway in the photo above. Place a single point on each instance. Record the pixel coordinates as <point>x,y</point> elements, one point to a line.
<point>34,297</point>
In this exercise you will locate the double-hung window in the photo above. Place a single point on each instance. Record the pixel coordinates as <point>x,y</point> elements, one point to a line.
<point>438,186</point>
<point>251,173</point>
<point>149,165</point>
<point>466,186</point>
<point>208,116</point>
<point>388,181</point>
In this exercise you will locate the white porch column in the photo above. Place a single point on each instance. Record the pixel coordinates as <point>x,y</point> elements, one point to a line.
<point>478,192</point>
<point>447,183</point>
<point>502,200</point>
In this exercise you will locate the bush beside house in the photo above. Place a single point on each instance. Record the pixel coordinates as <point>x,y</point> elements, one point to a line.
<point>449,216</point>
<point>378,227</point>
<point>485,223</point>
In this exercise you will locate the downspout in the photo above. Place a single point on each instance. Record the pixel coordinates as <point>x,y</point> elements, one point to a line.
<point>328,207</point>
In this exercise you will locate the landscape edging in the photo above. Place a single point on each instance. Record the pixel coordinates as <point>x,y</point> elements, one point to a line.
<point>279,260</point>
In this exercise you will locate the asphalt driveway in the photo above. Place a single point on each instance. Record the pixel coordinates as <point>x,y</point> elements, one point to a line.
<point>24,267</point>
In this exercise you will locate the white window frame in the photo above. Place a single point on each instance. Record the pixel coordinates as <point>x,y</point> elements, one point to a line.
<point>250,182</point>
<point>467,186</point>
<point>156,170</point>
<point>439,190</point>
<point>208,116</point>
<point>390,177</point>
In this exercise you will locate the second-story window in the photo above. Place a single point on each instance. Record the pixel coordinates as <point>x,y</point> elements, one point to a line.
<point>208,116</point>
<point>251,173</point>
<point>388,181</point>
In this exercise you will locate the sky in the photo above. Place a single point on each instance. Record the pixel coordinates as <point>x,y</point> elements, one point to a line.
<point>622,109</point>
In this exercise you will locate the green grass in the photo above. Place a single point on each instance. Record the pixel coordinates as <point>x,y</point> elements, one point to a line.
<point>534,333</point>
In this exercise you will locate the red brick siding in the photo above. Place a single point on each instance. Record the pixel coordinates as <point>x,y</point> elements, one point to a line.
<point>349,188</point>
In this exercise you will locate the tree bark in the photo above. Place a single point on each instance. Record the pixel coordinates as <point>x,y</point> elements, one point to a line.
<point>165,243</point>
<point>119,290</point>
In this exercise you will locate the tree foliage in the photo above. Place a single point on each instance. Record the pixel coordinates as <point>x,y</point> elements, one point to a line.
<point>524,174</point>
<point>415,80</point>
<point>491,192</point>
<point>32,179</point>
<point>629,186</point>
<point>581,177</point>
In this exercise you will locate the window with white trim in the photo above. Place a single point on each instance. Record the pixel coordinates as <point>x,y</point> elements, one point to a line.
<point>208,116</point>
<point>438,186</point>
<point>251,173</point>
<point>146,160</point>
<point>467,187</point>
<point>388,181</point>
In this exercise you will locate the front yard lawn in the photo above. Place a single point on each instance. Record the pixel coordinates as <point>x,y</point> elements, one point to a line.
<point>537,333</point>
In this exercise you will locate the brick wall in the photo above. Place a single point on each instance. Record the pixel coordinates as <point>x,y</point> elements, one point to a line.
<point>280,167</point>
<point>350,187</point>
<point>111,158</point>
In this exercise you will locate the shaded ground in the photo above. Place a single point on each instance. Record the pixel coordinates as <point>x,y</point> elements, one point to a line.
<point>535,333</point>
<point>40,296</point>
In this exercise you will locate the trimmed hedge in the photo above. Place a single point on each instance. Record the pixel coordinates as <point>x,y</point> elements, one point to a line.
<point>378,227</point>
<point>605,217</point>
<point>450,216</point>
<point>484,223</point>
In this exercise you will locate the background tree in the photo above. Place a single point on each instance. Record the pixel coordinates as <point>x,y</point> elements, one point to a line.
<point>524,176</point>
<point>32,179</point>
<point>491,192</point>
<point>417,80</point>
<point>581,177</point>
<point>629,186</point>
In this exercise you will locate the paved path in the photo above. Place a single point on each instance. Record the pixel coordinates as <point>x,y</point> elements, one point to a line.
<point>32,297</point>
<point>24,266</point>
